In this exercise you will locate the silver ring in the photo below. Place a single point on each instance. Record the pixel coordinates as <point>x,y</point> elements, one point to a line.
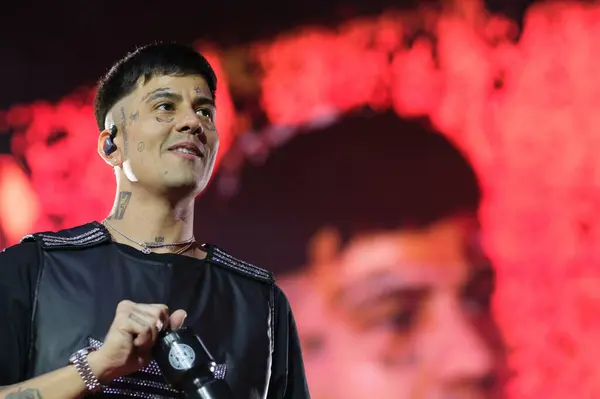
<point>159,325</point>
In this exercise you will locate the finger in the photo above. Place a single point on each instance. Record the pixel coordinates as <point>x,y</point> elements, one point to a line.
<point>177,318</point>
<point>141,321</point>
<point>124,307</point>
<point>142,329</point>
<point>151,325</point>
<point>160,313</point>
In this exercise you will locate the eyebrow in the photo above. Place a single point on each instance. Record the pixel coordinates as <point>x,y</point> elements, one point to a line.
<point>398,300</point>
<point>155,92</point>
<point>158,93</point>
<point>202,100</point>
<point>367,293</point>
<point>165,92</point>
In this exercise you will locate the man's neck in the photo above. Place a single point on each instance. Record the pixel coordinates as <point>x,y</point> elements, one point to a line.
<point>148,219</point>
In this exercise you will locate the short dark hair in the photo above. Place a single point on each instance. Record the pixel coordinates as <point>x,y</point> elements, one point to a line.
<point>144,63</point>
<point>364,174</point>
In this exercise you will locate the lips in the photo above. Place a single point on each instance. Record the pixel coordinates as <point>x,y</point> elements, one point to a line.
<point>187,148</point>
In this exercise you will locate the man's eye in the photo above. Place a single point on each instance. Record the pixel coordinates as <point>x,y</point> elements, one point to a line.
<point>477,294</point>
<point>165,107</point>
<point>396,311</point>
<point>207,113</point>
<point>394,317</point>
<point>402,320</point>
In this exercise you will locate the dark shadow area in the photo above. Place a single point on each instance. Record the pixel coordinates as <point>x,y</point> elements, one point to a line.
<point>365,172</point>
<point>49,49</point>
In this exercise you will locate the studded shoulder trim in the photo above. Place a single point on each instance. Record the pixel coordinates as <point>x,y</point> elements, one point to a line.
<point>84,236</point>
<point>221,258</point>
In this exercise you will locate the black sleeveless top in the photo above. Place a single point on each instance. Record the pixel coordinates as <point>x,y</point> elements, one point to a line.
<point>60,291</point>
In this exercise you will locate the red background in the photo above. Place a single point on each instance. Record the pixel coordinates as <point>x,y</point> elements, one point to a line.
<point>524,111</point>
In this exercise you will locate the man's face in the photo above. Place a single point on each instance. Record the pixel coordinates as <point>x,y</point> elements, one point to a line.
<point>411,319</point>
<point>167,135</point>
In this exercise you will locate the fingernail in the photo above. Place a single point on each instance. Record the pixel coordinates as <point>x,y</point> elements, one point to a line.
<point>183,320</point>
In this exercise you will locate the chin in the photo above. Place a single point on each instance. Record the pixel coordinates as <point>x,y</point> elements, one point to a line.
<point>181,189</point>
<point>187,188</point>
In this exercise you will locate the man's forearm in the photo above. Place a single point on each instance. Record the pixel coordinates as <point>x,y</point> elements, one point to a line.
<point>64,383</point>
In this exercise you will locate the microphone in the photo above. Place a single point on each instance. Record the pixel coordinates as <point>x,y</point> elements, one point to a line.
<point>187,365</point>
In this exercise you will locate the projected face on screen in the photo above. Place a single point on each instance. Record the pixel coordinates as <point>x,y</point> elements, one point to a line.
<point>399,314</point>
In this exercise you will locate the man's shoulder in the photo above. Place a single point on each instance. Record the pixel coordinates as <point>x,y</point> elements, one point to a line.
<point>17,261</point>
<point>220,257</point>
<point>82,236</point>
<point>24,252</point>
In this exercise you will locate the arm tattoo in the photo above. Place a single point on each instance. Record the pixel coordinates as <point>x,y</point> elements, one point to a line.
<point>27,393</point>
<point>124,130</point>
<point>122,202</point>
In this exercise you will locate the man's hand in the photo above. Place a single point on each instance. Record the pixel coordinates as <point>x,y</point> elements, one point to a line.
<point>131,337</point>
<point>126,349</point>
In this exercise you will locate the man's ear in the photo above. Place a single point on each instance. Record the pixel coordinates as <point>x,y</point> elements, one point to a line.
<point>108,148</point>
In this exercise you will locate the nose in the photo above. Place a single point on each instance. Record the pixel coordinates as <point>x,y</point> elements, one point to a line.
<point>190,123</point>
<point>462,355</point>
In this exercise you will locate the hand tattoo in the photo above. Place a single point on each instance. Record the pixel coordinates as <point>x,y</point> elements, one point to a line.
<point>138,320</point>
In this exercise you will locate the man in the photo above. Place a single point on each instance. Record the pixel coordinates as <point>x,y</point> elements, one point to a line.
<point>82,307</point>
<point>390,289</point>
